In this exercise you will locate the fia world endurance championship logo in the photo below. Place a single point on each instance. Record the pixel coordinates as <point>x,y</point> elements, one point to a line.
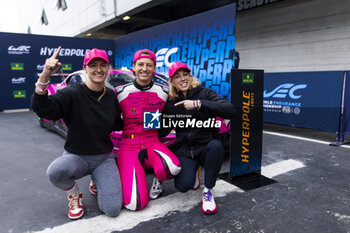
<point>151,120</point>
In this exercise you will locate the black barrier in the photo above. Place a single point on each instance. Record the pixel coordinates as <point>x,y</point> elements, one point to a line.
<point>304,99</point>
<point>246,126</point>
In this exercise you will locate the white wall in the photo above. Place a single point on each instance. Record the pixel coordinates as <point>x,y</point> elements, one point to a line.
<point>295,35</point>
<point>124,6</point>
<point>291,35</point>
<point>79,17</point>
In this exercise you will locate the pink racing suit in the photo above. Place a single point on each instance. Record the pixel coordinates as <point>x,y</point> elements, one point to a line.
<point>140,148</point>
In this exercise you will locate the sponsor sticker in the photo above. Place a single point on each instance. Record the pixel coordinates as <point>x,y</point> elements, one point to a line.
<point>17,66</point>
<point>247,78</point>
<point>66,67</point>
<point>19,94</point>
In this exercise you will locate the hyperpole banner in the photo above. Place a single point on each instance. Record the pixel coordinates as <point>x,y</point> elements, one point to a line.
<point>246,126</point>
<point>205,42</point>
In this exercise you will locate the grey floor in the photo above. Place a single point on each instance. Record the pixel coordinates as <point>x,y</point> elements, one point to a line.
<point>315,198</point>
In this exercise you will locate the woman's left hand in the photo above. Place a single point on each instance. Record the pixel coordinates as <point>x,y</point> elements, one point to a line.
<point>188,104</point>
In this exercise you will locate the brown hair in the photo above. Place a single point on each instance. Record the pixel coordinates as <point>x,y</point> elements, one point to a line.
<point>173,93</point>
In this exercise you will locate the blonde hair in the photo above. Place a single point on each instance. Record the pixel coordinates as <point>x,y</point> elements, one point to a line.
<point>103,93</point>
<point>173,93</point>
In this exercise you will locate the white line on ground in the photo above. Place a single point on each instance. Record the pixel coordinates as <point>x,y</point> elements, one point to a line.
<point>281,167</point>
<point>301,138</point>
<point>17,110</point>
<point>160,207</point>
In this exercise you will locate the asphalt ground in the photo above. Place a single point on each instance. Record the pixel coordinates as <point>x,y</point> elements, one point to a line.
<point>308,189</point>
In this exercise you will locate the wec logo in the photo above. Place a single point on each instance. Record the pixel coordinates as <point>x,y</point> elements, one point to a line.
<point>285,89</point>
<point>23,49</point>
<point>163,56</point>
<point>18,80</point>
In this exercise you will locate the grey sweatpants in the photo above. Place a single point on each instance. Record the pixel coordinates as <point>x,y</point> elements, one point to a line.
<point>103,169</point>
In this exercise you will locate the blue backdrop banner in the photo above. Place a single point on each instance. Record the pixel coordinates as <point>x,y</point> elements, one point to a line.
<point>206,42</point>
<point>23,57</point>
<point>304,99</point>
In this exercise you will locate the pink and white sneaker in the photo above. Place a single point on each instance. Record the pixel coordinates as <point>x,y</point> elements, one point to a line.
<point>208,202</point>
<point>92,187</point>
<point>76,209</point>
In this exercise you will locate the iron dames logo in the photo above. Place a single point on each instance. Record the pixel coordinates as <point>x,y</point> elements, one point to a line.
<point>18,80</point>
<point>17,66</point>
<point>23,49</point>
<point>285,89</point>
<point>151,120</point>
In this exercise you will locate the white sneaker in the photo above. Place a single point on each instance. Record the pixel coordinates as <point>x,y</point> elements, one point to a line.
<point>208,202</point>
<point>76,209</point>
<point>156,188</point>
<point>197,184</point>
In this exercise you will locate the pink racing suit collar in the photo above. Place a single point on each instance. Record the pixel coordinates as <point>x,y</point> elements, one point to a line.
<point>143,88</point>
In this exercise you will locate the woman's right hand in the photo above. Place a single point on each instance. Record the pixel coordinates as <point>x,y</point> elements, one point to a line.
<point>188,104</point>
<point>51,66</point>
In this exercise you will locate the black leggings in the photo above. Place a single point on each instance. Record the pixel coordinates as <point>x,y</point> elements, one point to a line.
<point>211,160</point>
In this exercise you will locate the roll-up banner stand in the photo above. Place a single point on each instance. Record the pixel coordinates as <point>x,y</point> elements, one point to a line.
<point>246,126</point>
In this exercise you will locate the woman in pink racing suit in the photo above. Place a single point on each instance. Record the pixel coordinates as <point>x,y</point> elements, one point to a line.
<point>141,103</point>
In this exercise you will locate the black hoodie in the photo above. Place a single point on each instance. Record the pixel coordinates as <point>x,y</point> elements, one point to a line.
<point>190,142</point>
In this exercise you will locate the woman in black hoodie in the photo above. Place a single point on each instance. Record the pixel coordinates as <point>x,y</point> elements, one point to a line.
<point>193,109</point>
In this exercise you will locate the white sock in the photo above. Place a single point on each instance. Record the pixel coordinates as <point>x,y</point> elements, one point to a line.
<point>206,190</point>
<point>73,191</point>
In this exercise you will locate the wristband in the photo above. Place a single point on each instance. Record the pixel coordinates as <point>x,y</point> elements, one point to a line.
<point>194,104</point>
<point>40,90</point>
<point>198,104</point>
<point>38,82</point>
